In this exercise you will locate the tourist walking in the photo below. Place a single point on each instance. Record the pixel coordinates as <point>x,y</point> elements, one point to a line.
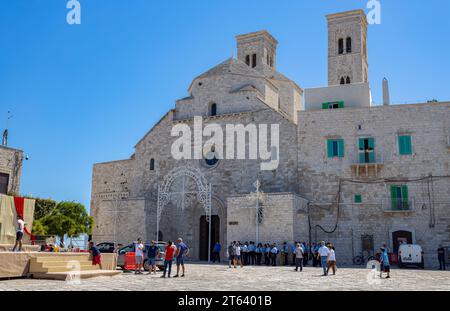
<point>324,251</point>
<point>96,255</point>
<point>181,253</point>
<point>331,260</point>
<point>139,256</point>
<point>169,252</point>
<point>216,252</point>
<point>299,254</point>
<point>232,254</point>
<point>441,257</point>
<point>19,234</point>
<point>384,264</point>
<point>152,253</point>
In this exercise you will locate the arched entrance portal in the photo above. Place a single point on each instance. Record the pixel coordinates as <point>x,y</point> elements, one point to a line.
<point>184,178</point>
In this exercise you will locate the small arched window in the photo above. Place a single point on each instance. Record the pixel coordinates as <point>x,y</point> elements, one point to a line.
<point>341,46</point>
<point>152,164</point>
<point>213,109</point>
<point>348,45</point>
<point>342,80</point>
<point>254,61</point>
<point>347,81</point>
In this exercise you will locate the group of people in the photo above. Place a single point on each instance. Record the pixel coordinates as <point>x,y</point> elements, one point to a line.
<point>250,253</point>
<point>172,252</point>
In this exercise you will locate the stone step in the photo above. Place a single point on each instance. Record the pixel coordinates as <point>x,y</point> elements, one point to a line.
<point>71,276</point>
<point>65,263</point>
<point>63,268</point>
<point>61,257</point>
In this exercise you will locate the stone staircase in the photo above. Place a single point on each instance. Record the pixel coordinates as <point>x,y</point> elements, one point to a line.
<point>66,266</point>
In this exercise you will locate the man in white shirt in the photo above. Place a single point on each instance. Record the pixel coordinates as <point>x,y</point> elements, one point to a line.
<point>139,255</point>
<point>19,234</point>
<point>324,252</point>
<point>238,254</point>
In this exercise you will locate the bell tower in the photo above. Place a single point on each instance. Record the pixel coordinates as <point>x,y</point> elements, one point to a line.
<point>258,50</point>
<point>347,48</point>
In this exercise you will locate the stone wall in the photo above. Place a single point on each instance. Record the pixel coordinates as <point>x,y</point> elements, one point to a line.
<point>319,176</point>
<point>11,164</point>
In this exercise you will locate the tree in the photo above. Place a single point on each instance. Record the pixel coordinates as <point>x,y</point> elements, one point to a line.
<point>43,207</point>
<point>68,218</point>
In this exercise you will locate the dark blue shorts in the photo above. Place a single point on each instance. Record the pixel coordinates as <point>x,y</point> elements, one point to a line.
<point>180,261</point>
<point>151,261</point>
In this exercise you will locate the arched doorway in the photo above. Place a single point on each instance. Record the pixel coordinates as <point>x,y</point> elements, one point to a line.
<point>180,184</point>
<point>401,237</point>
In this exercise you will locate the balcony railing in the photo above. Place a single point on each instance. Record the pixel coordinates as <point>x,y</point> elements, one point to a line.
<point>365,165</point>
<point>398,205</point>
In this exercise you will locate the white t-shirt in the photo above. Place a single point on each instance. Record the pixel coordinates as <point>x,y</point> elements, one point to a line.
<point>20,225</point>
<point>238,251</point>
<point>324,251</point>
<point>332,255</point>
<point>139,249</point>
<point>299,252</point>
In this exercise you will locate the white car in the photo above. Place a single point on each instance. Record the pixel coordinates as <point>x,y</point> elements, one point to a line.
<point>410,255</point>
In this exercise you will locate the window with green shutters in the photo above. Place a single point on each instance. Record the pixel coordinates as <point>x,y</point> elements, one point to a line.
<point>333,105</point>
<point>335,148</point>
<point>399,197</point>
<point>366,150</point>
<point>405,144</point>
<point>358,198</point>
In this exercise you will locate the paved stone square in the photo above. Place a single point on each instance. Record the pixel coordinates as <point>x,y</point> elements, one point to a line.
<point>203,277</point>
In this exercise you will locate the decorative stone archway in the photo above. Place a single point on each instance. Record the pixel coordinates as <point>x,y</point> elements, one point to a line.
<point>203,194</point>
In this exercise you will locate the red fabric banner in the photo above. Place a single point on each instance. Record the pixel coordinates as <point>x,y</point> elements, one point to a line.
<point>19,204</point>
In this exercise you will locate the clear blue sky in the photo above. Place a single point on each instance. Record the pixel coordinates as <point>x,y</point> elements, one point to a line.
<point>87,93</point>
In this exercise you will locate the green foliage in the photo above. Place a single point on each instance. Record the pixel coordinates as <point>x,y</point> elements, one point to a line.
<point>68,218</point>
<point>43,208</point>
<point>39,229</point>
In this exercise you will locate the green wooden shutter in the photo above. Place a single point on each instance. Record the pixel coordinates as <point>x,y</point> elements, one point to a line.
<point>371,143</point>
<point>341,148</point>
<point>405,146</point>
<point>394,198</point>
<point>405,197</point>
<point>358,198</point>
<point>341,104</point>
<point>361,144</point>
<point>330,148</point>
<point>325,106</point>
<point>362,155</point>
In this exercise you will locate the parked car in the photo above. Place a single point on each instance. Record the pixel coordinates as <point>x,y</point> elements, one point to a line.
<point>106,247</point>
<point>410,255</point>
<point>130,249</point>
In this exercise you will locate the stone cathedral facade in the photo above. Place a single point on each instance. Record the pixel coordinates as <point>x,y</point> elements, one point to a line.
<point>348,171</point>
